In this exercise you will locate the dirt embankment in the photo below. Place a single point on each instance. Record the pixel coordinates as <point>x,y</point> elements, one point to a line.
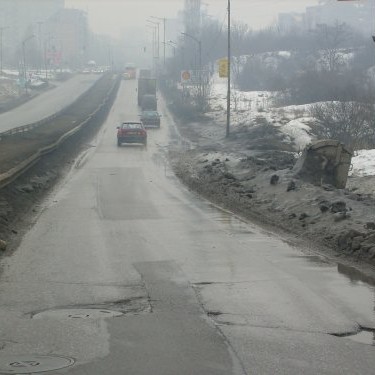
<point>250,173</point>
<point>20,198</point>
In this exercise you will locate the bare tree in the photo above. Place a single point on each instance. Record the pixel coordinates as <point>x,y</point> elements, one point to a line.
<point>349,122</point>
<point>330,40</point>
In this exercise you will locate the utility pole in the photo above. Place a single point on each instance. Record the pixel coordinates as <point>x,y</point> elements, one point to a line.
<point>40,60</point>
<point>164,32</point>
<point>199,42</point>
<point>24,60</point>
<point>157,24</point>
<point>154,57</point>
<point>164,21</point>
<point>229,75</point>
<point>1,48</point>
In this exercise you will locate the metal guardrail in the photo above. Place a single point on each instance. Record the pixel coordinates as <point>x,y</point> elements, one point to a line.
<point>12,174</point>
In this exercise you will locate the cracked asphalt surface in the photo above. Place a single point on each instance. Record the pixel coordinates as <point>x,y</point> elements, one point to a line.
<point>219,295</point>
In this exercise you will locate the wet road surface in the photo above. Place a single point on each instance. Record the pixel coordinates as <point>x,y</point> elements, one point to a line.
<point>127,272</point>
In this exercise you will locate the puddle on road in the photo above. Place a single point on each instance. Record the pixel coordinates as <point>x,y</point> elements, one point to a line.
<point>365,336</point>
<point>340,284</point>
<point>315,259</point>
<point>354,275</point>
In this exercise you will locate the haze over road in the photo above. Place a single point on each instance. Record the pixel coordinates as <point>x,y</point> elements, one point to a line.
<point>202,292</point>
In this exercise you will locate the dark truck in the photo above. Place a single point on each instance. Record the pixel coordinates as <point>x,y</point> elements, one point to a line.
<point>146,86</point>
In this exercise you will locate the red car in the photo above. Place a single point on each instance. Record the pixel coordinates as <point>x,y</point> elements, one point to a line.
<point>131,132</point>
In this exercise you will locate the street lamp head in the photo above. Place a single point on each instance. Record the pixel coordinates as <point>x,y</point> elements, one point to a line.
<point>28,38</point>
<point>192,37</point>
<point>155,23</point>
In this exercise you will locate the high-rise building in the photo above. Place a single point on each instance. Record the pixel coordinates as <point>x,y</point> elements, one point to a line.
<point>192,17</point>
<point>67,42</point>
<point>21,18</point>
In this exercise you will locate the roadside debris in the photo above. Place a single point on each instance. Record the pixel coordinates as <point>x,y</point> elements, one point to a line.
<point>325,162</point>
<point>3,245</point>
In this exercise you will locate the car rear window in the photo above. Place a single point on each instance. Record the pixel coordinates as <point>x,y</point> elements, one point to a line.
<point>131,126</point>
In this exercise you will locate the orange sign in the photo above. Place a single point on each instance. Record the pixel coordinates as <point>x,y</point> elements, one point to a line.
<point>185,76</point>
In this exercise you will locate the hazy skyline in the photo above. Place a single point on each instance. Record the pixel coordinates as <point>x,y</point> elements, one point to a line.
<point>112,16</point>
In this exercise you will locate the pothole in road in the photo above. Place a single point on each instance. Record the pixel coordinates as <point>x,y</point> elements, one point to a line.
<point>214,313</point>
<point>78,314</point>
<point>31,364</point>
<point>364,336</point>
<point>136,305</point>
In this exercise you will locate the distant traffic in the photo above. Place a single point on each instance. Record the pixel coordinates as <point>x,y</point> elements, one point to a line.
<point>132,132</point>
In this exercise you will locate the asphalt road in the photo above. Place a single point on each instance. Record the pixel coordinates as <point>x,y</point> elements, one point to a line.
<point>127,272</point>
<point>47,103</point>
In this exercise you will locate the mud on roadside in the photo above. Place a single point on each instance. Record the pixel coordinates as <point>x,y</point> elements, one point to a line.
<point>250,174</point>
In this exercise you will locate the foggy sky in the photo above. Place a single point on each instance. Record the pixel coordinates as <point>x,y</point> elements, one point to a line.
<point>113,16</point>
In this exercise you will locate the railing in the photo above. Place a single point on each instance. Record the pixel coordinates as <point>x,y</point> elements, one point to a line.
<point>12,174</point>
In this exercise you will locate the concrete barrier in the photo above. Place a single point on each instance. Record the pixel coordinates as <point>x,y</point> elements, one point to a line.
<point>325,162</point>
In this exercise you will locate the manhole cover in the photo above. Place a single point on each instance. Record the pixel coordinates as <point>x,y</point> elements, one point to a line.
<point>30,364</point>
<point>77,314</point>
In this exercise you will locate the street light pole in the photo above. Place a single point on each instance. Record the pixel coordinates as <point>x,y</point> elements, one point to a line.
<point>1,48</point>
<point>24,61</point>
<point>199,42</point>
<point>229,74</point>
<point>40,23</point>
<point>158,43</point>
<point>164,32</point>
<point>153,47</point>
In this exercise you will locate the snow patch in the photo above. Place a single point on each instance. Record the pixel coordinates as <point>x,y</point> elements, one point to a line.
<point>363,163</point>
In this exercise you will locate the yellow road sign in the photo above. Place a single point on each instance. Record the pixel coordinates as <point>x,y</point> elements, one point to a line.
<point>223,68</point>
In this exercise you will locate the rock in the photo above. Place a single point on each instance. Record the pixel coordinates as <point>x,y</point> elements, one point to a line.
<point>365,247</point>
<point>274,179</point>
<point>291,186</point>
<point>344,241</point>
<point>372,253</point>
<point>292,216</point>
<point>3,245</point>
<point>339,216</point>
<point>338,206</point>
<point>324,206</point>
<point>327,187</point>
<point>303,216</point>
<point>229,176</point>
<point>356,243</point>
<point>28,188</point>
<point>370,240</point>
<point>250,190</point>
<point>370,225</point>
